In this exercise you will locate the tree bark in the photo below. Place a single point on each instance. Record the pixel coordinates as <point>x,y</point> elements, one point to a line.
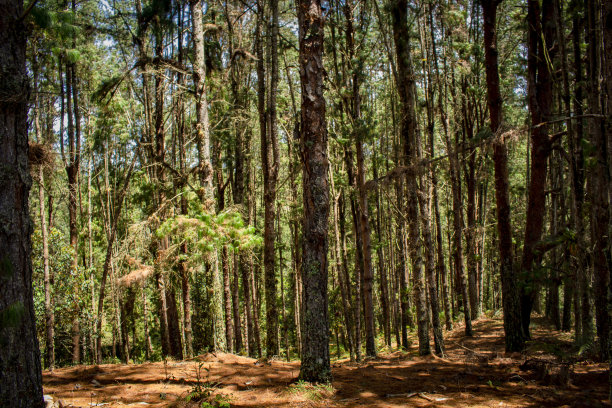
<point>20,369</point>
<point>44,232</point>
<point>441,266</point>
<point>409,139</point>
<point>541,35</point>
<point>269,163</point>
<point>514,339</point>
<point>362,208</point>
<point>598,180</point>
<point>315,365</point>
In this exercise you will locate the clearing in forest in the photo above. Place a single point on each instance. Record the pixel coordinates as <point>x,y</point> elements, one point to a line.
<point>475,372</point>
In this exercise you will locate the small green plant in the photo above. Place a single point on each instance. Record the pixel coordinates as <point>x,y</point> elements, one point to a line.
<point>220,401</point>
<point>202,390</point>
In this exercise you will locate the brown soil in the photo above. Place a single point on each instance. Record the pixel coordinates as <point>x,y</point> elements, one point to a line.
<point>475,372</point>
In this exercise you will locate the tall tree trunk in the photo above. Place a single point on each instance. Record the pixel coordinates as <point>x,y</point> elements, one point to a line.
<point>574,284</point>
<point>470,242</point>
<point>204,160</point>
<point>315,365</point>
<point>183,267</point>
<point>362,208</point>
<point>541,36</point>
<point>446,298</point>
<point>269,147</point>
<point>49,312</point>
<point>425,197</point>
<point>599,179</point>
<point>72,168</point>
<point>607,74</point>
<point>514,338</point>
<point>409,138</point>
<point>568,281</point>
<point>20,370</point>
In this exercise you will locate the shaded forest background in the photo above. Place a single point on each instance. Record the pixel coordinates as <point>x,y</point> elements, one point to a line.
<point>466,156</point>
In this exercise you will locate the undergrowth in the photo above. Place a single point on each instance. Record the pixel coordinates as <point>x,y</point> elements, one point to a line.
<point>313,392</point>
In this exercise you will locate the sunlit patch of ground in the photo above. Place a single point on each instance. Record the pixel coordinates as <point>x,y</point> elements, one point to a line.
<point>475,373</point>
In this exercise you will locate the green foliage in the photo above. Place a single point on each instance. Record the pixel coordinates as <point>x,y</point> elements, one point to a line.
<point>42,17</point>
<point>219,401</point>
<point>209,231</point>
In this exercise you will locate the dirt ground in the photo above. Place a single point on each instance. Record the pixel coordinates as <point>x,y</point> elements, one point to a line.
<point>475,373</point>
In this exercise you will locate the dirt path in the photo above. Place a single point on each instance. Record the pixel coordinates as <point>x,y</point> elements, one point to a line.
<point>475,373</point>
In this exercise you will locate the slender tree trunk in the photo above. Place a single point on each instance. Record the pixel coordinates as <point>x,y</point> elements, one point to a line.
<point>514,339</point>
<point>72,168</point>
<point>574,283</point>
<point>607,74</point>
<point>342,268</point>
<point>430,270</point>
<point>362,208</point>
<point>409,138</point>
<point>49,312</point>
<point>571,127</point>
<point>552,309</point>
<point>470,246</point>
<point>145,312</point>
<point>204,160</point>
<point>382,270</point>
<point>599,179</point>
<point>238,347</point>
<point>108,257</point>
<point>183,267</point>
<point>446,289</point>
<point>539,82</point>
<point>402,269</point>
<point>269,147</point>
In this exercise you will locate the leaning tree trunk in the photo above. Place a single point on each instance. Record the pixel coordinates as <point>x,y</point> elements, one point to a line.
<point>20,370</point>
<point>315,336</point>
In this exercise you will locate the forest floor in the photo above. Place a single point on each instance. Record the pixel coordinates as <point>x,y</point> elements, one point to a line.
<point>474,373</point>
